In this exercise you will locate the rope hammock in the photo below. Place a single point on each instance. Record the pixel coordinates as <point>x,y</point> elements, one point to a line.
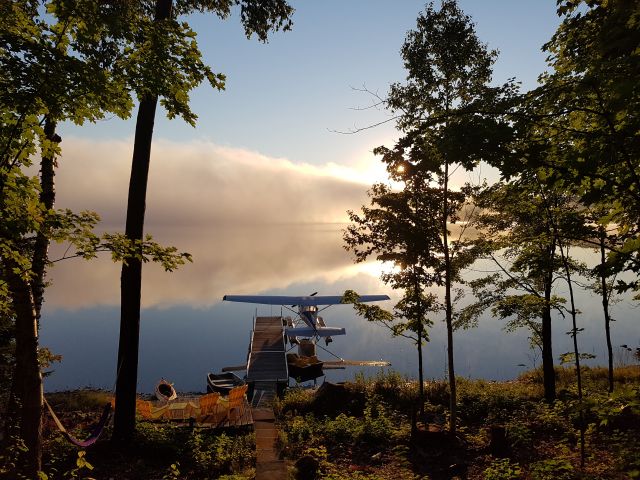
<point>95,433</point>
<point>97,429</point>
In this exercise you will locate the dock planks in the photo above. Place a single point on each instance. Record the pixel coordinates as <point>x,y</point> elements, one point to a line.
<point>267,359</point>
<point>267,369</point>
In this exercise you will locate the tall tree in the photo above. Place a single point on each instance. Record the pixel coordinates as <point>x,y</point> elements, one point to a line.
<point>401,228</point>
<point>447,111</point>
<point>564,216</point>
<point>57,63</point>
<point>524,228</point>
<point>604,286</point>
<point>167,66</point>
<point>584,114</point>
<point>41,83</point>
<point>580,127</point>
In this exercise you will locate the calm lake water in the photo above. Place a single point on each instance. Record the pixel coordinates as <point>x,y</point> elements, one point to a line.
<point>187,331</point>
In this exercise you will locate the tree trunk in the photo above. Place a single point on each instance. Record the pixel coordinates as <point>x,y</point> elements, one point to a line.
<point>131,276</point>
<point>605,305</point>
<point>419,315</point>
<point>27,371</point>
<point>25,400</point>
<point>576,351</point>
<point>447,301</point>
<point>548,372</point>
<point>420,374</point>
<point>47,198</point>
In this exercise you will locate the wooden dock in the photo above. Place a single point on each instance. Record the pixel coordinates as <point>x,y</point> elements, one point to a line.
<point>267,369</point>
<point>267,359</point>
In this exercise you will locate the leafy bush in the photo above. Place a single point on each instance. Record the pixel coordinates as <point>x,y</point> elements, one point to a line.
<point>373,427</point>
<point>619,410</point>
<point>394,388</point>
<point>502,469</point>
<point>553,469</point>
<point>14,447</point>
<point>352,476</point>
<point>519,435</point>
<point>296,400</point>
<point>437,393</point>
<point>377,423</point>
<point>301,429</point>
<point>342,429</point>
<point>483,401</point>
<point>214,455</point>
<point>84,400</point>
<point>551,420</point>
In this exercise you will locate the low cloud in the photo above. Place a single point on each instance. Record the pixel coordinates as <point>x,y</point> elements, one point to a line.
<point>252,222</point>
<point>200,183</point>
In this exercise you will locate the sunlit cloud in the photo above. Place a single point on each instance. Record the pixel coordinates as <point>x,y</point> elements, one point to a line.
<point>201,183</point>
<point>251,222</point>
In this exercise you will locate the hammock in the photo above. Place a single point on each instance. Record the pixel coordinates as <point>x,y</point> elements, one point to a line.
<point>95,433</point>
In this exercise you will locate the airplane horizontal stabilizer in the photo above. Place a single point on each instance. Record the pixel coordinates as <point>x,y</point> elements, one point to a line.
<point>311,332</point>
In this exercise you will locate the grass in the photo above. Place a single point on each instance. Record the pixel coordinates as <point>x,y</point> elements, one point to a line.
<point>158,451</point>
<point>362,430</point>
<point>541,439</point>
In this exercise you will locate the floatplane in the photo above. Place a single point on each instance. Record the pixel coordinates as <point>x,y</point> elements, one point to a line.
<point>305,329</point>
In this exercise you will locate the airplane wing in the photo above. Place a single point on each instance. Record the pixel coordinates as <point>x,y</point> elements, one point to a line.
<point>304,300</point>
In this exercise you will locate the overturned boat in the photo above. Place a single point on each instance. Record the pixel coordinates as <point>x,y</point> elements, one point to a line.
<point>165,392</point>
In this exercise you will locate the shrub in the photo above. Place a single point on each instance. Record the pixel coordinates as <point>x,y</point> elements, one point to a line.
<point>377,423</point>
<point>519,435</point>
<point>502,469</point>
<point>301,429</point>
<point>296,400</point>
<point>342,429</point>
<point>482,401</point>
<point>553,469</point>
<point>437,393</point>
<point>551,420</point>
<point>213,455</point>
<point>352,476</point>
<point>395,388</point>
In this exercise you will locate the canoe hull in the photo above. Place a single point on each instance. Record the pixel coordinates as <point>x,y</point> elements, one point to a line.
<point>165,392</point>
<point>222,383</point>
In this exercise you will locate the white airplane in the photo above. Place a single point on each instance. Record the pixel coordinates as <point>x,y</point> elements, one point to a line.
<point>307,311</point>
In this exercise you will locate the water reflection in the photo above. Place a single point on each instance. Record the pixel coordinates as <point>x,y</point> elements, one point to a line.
<point>186,331</point>
<point>227,259</point>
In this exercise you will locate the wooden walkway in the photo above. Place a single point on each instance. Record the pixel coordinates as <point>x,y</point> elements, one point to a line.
<point>267,368</point>
<point>269,466</point>
<point>267,359</point>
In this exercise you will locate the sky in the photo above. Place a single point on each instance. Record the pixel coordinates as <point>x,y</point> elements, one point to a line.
<point>258,193</point>
<point>288,99</point>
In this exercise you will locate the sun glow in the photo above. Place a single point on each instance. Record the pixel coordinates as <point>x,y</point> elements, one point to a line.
<point>374,269</point>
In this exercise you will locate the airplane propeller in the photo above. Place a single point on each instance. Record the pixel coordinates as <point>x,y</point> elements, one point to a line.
<point>312,295</point>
